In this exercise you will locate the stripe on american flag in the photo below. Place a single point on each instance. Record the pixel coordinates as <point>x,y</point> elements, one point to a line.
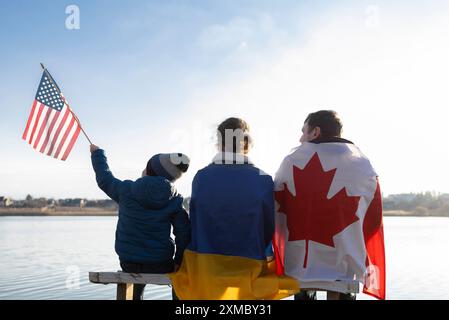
<point>54,118</point>
<point>59,126</point>
<point>30,120</point>
<point>61,133</point>
<point>35,122</point>
<point>50,131</point>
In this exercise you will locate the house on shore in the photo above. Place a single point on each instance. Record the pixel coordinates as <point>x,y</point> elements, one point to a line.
<point>6,202</point>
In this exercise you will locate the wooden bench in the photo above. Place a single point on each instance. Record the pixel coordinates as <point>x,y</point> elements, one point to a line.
<point>125,282</point>
<point>332,288</point>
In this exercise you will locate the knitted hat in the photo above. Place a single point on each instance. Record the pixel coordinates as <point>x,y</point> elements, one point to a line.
<point>168,165</point>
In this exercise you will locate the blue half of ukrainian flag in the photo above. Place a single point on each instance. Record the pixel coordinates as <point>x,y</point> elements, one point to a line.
<point>232,220</point>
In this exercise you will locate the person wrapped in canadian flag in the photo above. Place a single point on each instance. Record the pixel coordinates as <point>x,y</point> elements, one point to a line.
<point>329,212</point>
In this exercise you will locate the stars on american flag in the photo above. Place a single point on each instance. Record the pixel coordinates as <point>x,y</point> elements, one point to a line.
<point>48,94</point>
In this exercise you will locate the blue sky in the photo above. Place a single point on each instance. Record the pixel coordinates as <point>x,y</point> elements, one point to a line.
<point>158,76</point>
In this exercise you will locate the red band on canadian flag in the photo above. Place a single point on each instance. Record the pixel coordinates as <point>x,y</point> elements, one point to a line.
<point>375,276</point>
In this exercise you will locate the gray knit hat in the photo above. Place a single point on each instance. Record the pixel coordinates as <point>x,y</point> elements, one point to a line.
<point>168,165</point>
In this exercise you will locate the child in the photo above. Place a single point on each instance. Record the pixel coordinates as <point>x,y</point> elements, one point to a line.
<point>148,208</point>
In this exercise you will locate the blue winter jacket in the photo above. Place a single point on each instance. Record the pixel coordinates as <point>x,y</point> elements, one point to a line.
<point>148,208</point>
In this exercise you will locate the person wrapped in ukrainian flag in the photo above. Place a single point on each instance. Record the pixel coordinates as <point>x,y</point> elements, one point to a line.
<point>232,220</point>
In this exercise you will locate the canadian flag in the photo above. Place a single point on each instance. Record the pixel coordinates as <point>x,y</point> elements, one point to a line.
<point>329,217</point>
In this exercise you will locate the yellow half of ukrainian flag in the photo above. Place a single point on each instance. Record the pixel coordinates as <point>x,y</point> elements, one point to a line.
<point>204,276</point>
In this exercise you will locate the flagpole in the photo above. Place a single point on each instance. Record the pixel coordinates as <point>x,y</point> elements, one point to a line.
<point>65,102</point>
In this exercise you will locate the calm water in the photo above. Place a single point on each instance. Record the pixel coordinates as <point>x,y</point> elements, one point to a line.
<point>50,257</point>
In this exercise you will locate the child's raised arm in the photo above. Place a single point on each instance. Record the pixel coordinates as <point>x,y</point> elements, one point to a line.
<point>105,179</point>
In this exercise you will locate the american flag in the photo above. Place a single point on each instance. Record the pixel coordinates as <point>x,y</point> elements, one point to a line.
<point>52,128</point>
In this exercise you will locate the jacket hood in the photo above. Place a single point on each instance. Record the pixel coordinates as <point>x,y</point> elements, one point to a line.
<point>153,192</point>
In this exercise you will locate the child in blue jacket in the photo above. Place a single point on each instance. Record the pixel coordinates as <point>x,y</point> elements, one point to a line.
<point>148,208</point>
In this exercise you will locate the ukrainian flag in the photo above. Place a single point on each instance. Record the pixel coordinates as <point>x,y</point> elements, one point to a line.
<point>232,223</point>
<point>221,277</point>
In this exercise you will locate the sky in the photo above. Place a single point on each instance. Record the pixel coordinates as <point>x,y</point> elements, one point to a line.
<point>146,77</point>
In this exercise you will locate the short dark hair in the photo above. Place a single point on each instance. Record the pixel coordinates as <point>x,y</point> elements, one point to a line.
<point>328,122</point>
<point>234,124</point>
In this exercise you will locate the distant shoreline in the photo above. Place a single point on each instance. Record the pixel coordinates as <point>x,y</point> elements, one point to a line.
<point>100,212</point>
<point>402,213</point>
<point>59,212</point>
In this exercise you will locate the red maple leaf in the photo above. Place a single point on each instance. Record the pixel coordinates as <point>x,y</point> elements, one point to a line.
<point>311,216</point>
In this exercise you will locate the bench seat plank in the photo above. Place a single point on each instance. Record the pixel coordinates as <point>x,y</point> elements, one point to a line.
<point>337,286</point>
<point>134,278</point>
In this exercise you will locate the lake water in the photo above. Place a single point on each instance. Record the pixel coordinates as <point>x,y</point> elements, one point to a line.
<point>50,257</point>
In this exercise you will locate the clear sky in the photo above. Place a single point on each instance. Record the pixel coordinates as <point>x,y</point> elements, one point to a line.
<point>158,76</point>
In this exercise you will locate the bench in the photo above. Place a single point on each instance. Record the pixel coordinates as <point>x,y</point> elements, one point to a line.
<point>332,288</point>
<point>125,282</point>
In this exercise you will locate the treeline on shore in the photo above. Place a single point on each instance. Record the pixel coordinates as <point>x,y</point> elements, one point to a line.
<point>417,204</point>
<point>406,204</point>
<point>39,203</point>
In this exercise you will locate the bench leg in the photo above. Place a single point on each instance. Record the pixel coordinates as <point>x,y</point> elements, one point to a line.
<point>125,291</point>
<point>332,295</point>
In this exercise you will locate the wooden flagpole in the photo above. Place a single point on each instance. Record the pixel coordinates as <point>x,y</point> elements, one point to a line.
<point>65,102</point>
